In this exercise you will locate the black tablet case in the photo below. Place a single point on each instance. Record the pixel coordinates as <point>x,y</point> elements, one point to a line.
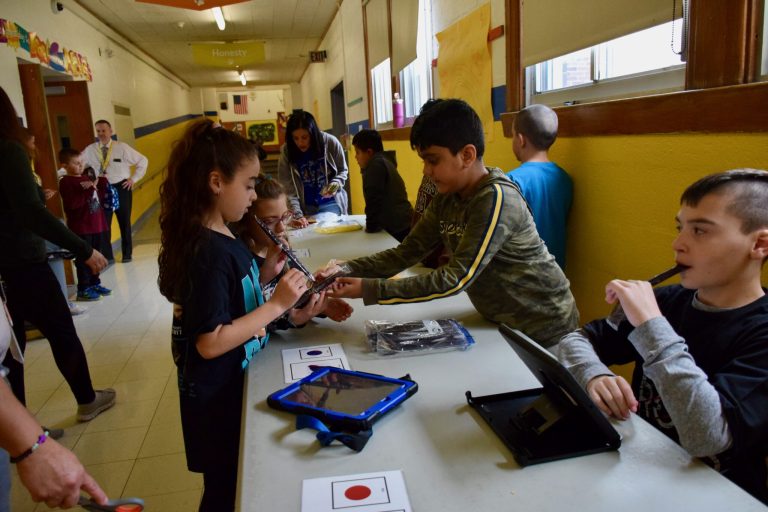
<point>556,421</point>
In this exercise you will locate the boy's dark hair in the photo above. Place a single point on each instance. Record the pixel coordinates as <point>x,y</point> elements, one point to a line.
<point>368,139</point>
<point>538,123</point>
<point>102,121</point>
<point>749,195</point>
<point>67,154</point>
<point>450,123</point>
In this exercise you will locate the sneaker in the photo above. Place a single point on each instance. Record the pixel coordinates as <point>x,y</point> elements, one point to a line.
<point>101,290</point>
<point>75,309</point>
<point>105,398</point>
<point>54,433</point>
<point>88,295</point>
<point>127,259</point>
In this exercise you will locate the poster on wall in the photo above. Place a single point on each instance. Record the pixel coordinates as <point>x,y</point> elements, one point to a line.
<point>264,131</point>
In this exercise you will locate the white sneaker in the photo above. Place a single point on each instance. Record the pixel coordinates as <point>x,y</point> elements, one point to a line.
<point>76,309</point>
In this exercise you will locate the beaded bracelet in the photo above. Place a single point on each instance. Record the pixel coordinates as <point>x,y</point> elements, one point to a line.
<point>40,440</point>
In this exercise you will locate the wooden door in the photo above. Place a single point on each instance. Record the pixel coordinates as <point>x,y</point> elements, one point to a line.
<point>69,114</point>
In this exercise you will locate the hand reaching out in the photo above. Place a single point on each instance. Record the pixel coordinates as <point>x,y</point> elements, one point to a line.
<point>315,306</point>
<point>347,287</point>
<point>338,310</point>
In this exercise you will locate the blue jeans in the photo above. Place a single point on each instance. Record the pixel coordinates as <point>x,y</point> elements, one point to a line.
<point>329,207</point>
<point>5,482</point>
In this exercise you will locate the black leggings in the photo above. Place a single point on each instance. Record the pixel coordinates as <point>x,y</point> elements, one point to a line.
<point>219,490</point>
<point>34,294</point>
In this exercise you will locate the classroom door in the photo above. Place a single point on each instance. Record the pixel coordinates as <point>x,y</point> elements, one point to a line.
<point>338,111</point>
<point>339,119</point>
<point>69,114</point>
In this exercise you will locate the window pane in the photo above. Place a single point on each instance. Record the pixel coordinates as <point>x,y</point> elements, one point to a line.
<point>416,78</point>
<point>639,52</point>
<point>565,71</point>
<point>381,84</point>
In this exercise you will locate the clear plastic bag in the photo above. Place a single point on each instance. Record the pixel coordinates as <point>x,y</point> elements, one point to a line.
<point>416,337</point>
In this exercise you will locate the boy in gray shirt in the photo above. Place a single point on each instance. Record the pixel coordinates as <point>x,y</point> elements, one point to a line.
<point>700,348</point>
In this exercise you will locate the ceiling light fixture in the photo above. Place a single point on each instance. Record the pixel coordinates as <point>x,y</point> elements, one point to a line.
<point>218,14</point>
<point>242,78</point>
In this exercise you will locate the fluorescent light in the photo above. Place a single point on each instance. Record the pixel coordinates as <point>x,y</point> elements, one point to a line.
<point>218,14</point>
<point>242,78</point>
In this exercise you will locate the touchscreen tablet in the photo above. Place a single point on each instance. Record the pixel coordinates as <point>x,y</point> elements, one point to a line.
<point>343,399</point>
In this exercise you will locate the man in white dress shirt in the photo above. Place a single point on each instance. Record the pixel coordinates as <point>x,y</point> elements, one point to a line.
<point>114,159</point>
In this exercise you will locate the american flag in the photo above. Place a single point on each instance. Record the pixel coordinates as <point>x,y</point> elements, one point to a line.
<point>241,103</point>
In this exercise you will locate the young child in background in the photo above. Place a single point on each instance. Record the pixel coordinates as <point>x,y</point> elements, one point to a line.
<point>546,187</point>
<point>386,201</point>
<point>211,276</point>
<point>271,207</point>
<point>700,348</point>
<point>81,196</point>
<point>496,255</point>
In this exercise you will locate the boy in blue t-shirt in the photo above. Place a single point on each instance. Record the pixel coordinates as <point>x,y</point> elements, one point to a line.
<point>546,187</point>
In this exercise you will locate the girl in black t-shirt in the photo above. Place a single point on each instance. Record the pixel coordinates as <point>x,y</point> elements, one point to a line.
<point>220,319</point>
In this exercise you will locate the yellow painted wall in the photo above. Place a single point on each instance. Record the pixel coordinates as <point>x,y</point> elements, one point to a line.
<point>626,194</point>
<point>157,148</point>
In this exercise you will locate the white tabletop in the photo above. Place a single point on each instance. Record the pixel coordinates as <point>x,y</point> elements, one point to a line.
<point>451,460</point>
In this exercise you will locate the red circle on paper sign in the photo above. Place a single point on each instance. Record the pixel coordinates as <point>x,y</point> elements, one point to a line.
<point>357,492</point>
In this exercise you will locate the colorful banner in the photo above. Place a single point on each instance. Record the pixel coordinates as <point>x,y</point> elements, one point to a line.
<point>228,55</point>
<point>48,53</point>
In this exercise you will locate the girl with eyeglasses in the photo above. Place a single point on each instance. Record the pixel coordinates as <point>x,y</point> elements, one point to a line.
<point>271,207</point>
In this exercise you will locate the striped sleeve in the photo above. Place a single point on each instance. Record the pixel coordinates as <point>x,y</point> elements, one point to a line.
<point>478,240</point>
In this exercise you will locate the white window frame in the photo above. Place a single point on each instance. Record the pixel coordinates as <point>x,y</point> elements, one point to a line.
<point>381,90</point>
<point>663,80</point>
<point>416,77</point>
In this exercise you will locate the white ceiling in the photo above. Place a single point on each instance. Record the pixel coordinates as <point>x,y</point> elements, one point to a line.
<point>290,29</point>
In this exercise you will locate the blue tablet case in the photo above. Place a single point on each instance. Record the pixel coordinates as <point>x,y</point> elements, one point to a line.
<point>343,400</point>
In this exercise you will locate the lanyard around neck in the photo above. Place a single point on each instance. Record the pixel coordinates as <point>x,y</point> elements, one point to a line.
<point>104,159</point>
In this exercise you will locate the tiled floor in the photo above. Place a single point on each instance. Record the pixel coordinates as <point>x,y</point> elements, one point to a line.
<point>135,448</point>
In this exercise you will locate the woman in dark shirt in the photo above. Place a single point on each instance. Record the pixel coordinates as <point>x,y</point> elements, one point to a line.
<point>31,287</point>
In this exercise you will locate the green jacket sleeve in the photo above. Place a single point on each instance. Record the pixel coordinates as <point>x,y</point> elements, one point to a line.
<point>490,217</point>
<point>424,237</point>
